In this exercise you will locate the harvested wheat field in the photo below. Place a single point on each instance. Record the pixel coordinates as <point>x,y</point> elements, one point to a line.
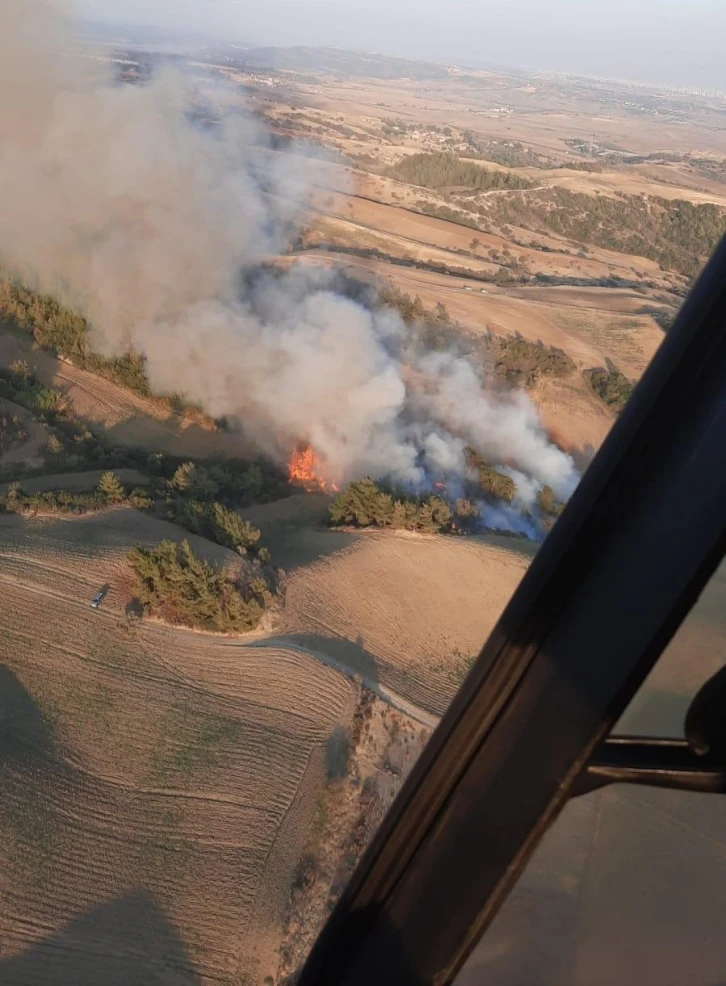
<point>405,612</point>
<point>157,786</point>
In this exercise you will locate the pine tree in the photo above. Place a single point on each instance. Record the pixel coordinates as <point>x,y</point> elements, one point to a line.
<point>230,530</point>
<point>109,486</point>
<point>194,481</point>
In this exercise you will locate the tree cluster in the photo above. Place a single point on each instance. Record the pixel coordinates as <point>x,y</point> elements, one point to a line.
<point>182,588</point>
<point>611,385</point>
<point>521,362</point>
<point>64,332</point>
<point>442,169</point>
<point>108,493</point>
<point>366,504</point>
<point>492,484</point>
<point>677,234</point>
<point>212,520</point>
<point>20,385</point>
<point>510,153</point>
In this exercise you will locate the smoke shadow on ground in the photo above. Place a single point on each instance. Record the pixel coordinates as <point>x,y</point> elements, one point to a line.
<point>30,761</point>
<point>173,435</point>
<point>295,529</point>
<point>124,942</point>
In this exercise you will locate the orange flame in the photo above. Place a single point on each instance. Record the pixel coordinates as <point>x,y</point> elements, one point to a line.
<point>307,469</point>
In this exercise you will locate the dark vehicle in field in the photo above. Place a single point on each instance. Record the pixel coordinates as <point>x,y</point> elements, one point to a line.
<point>100,596</point>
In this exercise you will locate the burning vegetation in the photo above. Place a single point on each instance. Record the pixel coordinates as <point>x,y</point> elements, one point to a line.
<point>482,506</point>
<point>308,470</point>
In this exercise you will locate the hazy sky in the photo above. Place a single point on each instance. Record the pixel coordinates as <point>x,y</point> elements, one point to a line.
<point>674,41</point>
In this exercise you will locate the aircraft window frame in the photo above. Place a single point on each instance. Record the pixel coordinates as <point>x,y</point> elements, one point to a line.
<point>609,588</point>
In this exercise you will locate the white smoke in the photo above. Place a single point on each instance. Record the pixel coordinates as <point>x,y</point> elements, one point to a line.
<point>110,198</point>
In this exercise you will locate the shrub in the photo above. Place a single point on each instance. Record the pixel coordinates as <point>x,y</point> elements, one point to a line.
<point>54,446</point>
<point>176,584</point>
<point>12,430</point>
<point>139,498</point>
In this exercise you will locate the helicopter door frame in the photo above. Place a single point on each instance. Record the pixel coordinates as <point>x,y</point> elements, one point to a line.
<point>621,569</point>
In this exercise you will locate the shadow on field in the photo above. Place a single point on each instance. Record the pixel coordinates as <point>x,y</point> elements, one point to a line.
<point>125,942</point>
<point>296,547</point>
<point>349,656</point>
<point>25,732</point>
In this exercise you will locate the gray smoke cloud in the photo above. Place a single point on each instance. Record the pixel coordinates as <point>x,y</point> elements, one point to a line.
<point>110,198</point>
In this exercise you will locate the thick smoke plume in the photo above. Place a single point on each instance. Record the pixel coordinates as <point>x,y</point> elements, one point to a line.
<point>110,198</point>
